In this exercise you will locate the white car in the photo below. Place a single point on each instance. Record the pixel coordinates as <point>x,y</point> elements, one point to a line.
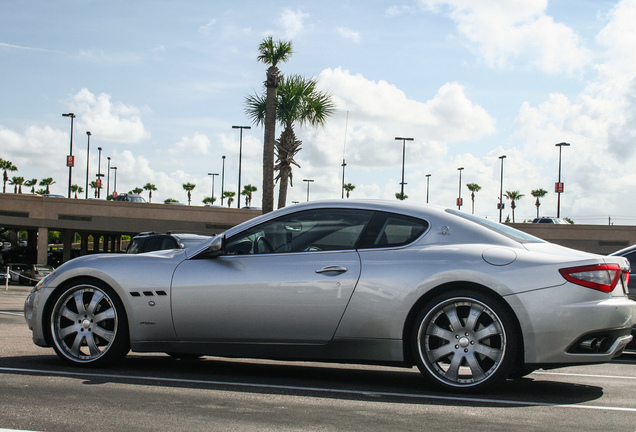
<point>468,301</point>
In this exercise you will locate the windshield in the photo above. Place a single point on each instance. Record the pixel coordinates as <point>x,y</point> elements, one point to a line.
<point>513,233</point>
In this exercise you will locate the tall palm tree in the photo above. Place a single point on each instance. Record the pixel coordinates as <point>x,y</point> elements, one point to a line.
<point>349,188</point>
<point>17,183</point>
<point>401,196</point>
<point>271,53</point>
<point>538,193</point>
<point>247,192</point>
<point>189,187</point>
<point>513,196</point>
<point>5,166</point>
<point>298,102</point>
<point>93,185</point>
<point>229,195</point>
<point>31,183</point>
<point>150,187</point>
<point>76,189</point>
<point>47,183</point>
<point>209,200</point>
<point>136,191</point>
<point>473,187</point>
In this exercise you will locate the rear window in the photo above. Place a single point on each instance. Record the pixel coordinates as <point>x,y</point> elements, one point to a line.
<point>510,232</point>
<point>391,230</point>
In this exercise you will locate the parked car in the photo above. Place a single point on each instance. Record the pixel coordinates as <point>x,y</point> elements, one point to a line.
<point>150,241</point>
<point>34,273</point>
<point>469,301</point>
<point>130,198</point>
<point>630,254</point>
<point>551,220</point>
<point>16,272</point>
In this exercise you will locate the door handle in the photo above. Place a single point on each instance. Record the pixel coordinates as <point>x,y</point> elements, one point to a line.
<point>334,268</point>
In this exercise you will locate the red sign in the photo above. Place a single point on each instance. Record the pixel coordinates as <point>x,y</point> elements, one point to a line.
<point>98,183</point>
<point>558,187</point>
<point>70,161</point>
<point>114,194</point>
<point>460,202</point>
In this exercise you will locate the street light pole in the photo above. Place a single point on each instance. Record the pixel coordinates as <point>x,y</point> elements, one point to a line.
<point>308,181</point>
<point>404,140</point>
<point>70,160</point>
<point>99,173</point>
<point>213,175</point>
<point>88,154</point>
<point>108,179</point>
<point>223,181</point>
<point>238,194</point>
<point>428,179</point>
<point>501,205</point>
<point>115,184</point>
<point>459,200</point>
<point>558,188</point>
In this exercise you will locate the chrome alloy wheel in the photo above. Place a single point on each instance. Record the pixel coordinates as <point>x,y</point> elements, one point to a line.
<point>85,324</point>
<point>462,343</point>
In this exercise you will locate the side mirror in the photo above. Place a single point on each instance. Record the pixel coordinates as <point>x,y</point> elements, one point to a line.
<point>216,247</point>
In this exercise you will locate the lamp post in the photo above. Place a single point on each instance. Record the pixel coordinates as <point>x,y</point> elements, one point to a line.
<point>558,187</point>
<point>343,173</point>
<point>238,194</point>
<point>459,199</point>
<point>404,140</point>
<point>213,175</point>
<point>70,160</point>
<point>500,206</point>
<point>115,183</point>
<point>223,180</point>
<point>88,154</point>
<point>308,181</point>
<point>108,179</point>
<point>428,179</point>
<point>99,173</point>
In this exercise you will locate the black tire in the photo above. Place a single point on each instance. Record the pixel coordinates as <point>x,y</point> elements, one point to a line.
<point>88,325</point>
<point>465,341</point>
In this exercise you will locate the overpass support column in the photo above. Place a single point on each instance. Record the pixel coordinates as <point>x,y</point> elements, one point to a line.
<point>96,239</point>
<point>67,241</point>
<point>43,245</point>
<point>84,244</point>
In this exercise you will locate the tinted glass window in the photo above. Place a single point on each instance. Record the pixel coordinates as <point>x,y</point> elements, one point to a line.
<point>312,230</point>
<point>390,230</point>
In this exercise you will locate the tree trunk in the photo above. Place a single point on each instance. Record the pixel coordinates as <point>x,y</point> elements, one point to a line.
<point>273,80</point>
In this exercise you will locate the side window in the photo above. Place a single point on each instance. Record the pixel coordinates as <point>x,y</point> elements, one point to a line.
<point>391,230</point>
<point>311,230</point>
<point>152,244</point>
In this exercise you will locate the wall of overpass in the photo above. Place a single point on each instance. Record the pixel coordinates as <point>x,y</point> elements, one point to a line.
<point>107,221</point>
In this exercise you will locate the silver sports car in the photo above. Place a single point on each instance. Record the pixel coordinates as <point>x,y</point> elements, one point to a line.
<point>469,301</point>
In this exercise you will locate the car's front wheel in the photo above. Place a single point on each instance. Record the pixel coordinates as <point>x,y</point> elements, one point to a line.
<point>88,325</point>
<point>465,341</point>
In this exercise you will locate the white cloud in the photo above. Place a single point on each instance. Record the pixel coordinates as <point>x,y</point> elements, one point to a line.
<point>207,28</point>
<point>292,22</point>
<point>107,120</point>
<point>515,31</point>
<point>198,144</point>
<point>349,34</point>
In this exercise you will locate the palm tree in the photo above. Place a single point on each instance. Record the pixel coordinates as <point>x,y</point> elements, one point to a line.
<point>40,191</point>
<point>513,196</point>
<point>6,165</point>
<point>93,185</point>
<point>401,196</point>
<point>209,200</point>
<point>136,191</point>
<point>189,187</point>
<point>299,102</point>
<point>247,192</point>
<point>349,188</point>
<point>229,195</point>
<point>473,187</point>
<point>271,53</point>
<point>150,187</point>
<point>169,200</point>
<point>17,183</point>
<point>47,182</point>
<point>76,189</point>
<point>31,183</point>
<point>538,193</point>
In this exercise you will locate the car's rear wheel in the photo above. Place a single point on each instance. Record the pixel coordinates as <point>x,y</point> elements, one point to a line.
<point>465,341</point>
<point>88,325</point>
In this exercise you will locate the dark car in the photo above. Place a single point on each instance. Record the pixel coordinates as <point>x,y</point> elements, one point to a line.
<point>130,198</point>
<point>150,241</point>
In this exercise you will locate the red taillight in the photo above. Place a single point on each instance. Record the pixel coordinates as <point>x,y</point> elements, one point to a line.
<point>601,277</point>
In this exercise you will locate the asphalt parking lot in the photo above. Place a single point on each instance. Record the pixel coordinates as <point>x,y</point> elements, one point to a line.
<point>150,392</point>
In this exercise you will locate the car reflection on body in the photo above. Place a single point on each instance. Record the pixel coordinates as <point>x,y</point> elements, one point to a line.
<point>468,301</point>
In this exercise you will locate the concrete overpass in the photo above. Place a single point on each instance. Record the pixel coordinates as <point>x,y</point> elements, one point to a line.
<point>107,221</point>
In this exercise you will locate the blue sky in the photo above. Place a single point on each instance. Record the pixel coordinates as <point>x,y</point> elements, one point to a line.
<point>160,83</point>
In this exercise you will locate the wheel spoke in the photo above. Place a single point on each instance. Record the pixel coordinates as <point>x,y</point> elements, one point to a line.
<point>97,297</point>
<point>104,334</point>
<point>475,367</point>
<point>435,330</point>
<point>490,352</point>
<point>473,316</point>
<point>440,353</point>
<point>79,302</point>
<point>92,346</point>
<point>492,330</point>
<point>77,345</point>
<point>65,332</point>
<point>108,314</point>
<point>68,314</point>
<point>453,370</point>
<point>451,314</point>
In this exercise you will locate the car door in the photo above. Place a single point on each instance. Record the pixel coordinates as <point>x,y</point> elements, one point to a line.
<point>288,280</point>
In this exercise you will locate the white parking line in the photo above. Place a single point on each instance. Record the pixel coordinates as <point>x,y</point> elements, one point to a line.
<point>11,313</point>
<point>326,390</point>
<point>585,375</point>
